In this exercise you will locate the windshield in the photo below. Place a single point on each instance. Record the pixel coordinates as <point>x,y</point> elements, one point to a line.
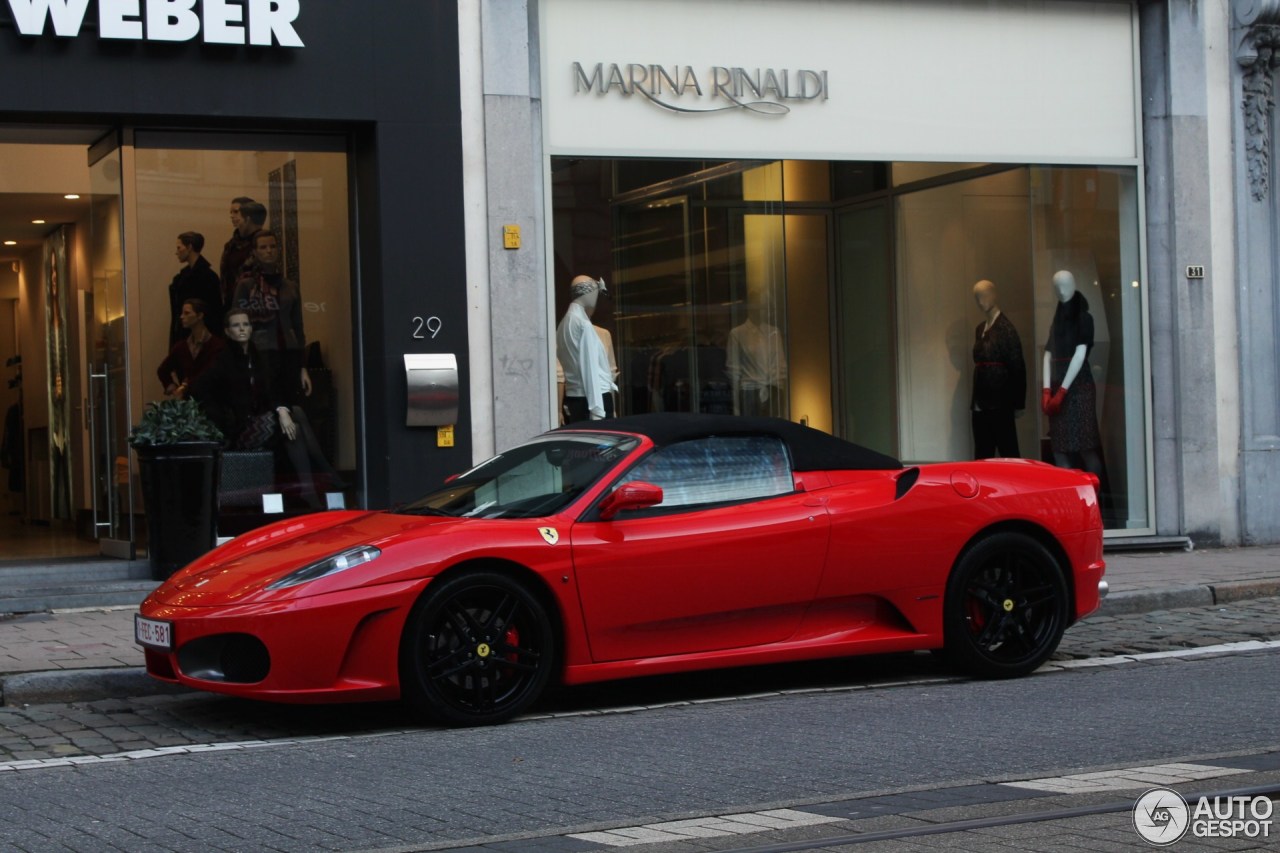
<point>535,479</point>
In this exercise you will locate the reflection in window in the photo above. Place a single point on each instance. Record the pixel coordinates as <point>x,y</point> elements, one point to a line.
<point>265,231</point>
<point>717,470</point>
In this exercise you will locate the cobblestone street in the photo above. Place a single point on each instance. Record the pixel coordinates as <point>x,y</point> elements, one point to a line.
<point>1166,630</point>
<point>120,725</point>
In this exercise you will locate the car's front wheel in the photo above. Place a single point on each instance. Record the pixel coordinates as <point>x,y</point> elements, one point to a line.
<point>478,649</point>
<point>1005,608</point>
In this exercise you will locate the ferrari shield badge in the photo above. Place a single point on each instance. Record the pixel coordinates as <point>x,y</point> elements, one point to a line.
<point>550,534</point>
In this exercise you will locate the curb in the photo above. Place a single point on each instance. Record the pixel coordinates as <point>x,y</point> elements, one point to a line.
<point>80,685</point>
<point>1193,595</point>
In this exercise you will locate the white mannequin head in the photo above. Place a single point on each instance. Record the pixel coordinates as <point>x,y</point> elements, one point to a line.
<point>586,292</point>
<point>984,293</point>
<point>1064,284</point>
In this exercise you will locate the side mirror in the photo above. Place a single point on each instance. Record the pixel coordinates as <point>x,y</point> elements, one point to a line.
<point>630,496</point>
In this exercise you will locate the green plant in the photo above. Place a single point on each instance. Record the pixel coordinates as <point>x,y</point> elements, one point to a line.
<point>173,422</point>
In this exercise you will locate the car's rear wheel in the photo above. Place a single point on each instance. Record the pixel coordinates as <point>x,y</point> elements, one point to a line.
<point>1005,608</point>
<point>479,648</point>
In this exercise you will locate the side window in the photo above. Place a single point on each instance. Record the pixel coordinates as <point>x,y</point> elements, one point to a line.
<point>717,470</point>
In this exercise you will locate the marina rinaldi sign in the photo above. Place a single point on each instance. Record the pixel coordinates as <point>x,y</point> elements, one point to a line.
<point>252,22</point>
<point>720,88</point>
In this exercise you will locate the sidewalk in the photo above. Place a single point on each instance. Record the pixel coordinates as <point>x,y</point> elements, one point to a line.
<point>88,653</point>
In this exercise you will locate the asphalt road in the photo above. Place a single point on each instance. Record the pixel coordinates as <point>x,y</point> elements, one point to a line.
<point>247,776</point>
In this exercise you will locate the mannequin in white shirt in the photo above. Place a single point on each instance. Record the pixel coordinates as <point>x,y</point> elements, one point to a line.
<point>756,364</point>
<point>588,377</point>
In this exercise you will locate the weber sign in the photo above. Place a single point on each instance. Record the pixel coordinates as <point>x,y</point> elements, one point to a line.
<point>252,22</point>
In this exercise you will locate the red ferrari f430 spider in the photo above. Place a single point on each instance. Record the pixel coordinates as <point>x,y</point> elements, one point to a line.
<point>637,546</point>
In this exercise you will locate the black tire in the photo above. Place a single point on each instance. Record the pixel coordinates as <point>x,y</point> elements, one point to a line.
<point>1006,607</point>
<point>478,649</point>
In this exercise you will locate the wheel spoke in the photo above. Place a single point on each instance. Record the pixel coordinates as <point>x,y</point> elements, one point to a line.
<point>503,649</point>
<point>440,657</point>
<point>984,594</point>
<point>462,619</point>
<point>483,690</point>
<point>993,633</point>
<point>449,674</point>
<point>1038,595</point>
<point>504,614</point>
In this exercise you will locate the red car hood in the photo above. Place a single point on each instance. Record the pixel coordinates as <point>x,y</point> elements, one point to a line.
<point>240,571</point>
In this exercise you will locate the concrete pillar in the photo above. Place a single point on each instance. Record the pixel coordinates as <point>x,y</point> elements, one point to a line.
<point>508,299</point>
<point>1255,49</point>
<point>1194,381</point>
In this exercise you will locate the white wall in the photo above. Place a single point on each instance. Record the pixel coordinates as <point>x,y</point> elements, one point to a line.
<point>981,80</point>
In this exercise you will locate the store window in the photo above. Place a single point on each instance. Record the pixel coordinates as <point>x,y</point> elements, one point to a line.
<point>841,295</point>
<point>261,229</point>
<point>1019,228</point>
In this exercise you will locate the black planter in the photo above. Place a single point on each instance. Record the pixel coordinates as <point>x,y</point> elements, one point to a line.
<point>180,493</point>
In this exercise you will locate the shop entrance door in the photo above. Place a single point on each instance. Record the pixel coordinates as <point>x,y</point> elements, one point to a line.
<point>61,311</point>
<point>106,353</point>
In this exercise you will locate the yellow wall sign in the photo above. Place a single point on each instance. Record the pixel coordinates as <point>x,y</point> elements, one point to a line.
<point>444,436</point>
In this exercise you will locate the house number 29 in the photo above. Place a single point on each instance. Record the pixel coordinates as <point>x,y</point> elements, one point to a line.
<point>432,324</point>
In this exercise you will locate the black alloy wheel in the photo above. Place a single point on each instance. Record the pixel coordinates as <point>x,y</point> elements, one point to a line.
<point>478,649</point>
<point>1006,607</point>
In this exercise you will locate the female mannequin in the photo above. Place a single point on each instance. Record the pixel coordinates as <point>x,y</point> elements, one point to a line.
<point>239,394</point>
<point>1068,396</point>
<point>192,355</point>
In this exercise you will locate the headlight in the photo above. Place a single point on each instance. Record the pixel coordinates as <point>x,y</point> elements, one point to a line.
<point>339,562</point>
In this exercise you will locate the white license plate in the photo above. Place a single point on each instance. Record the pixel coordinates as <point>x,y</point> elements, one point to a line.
<point>153,633</point>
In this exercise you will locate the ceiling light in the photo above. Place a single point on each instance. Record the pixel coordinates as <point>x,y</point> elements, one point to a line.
<point>71,196</point>
<point>37,222</point>
<point>11,242</point>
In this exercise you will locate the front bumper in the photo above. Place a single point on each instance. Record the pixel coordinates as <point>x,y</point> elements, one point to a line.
<point>340,646</point>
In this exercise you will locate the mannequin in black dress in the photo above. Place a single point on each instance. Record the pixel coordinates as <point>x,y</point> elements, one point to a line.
<point>1068,396</point>
<point>999,378</point>
<point>238,390</point>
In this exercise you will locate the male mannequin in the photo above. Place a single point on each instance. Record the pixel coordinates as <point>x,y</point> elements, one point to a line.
<point>247,217</point>
<point>196,280</point>
<point>1068,396</point>
<point>589,384</point>
<point>756,364</point>
<point>999,378</point>
<point>274,304</point>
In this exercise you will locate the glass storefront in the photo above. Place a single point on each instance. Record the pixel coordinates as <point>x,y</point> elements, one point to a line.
<point>841,295</point>
<point>112,237</point>
<point>299,299</point>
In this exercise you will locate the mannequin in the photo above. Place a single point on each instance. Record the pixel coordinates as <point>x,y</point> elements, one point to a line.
<point>999,378</point>
<point>1068,395</point>
<point>193,354</point>
<point>239,395</point>
<point>756,363</point>
<point>588,378</point>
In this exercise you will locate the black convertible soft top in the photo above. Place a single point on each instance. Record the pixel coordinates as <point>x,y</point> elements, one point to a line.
<point>811,449</point>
